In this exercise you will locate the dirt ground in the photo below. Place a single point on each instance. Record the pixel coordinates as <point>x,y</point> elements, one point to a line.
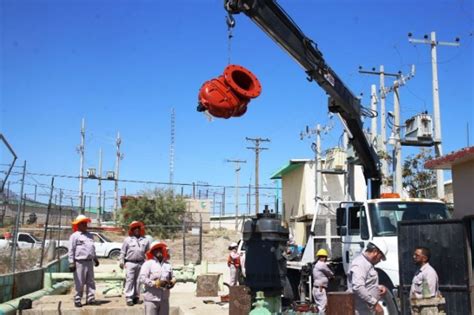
<point>26,259</point>
<point>215,243</point>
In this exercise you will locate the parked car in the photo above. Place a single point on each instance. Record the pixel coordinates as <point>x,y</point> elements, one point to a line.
<point>104,247</point>
<point>25,240</point>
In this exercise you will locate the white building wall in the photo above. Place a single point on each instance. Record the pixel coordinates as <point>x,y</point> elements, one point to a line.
<point>463,186</point>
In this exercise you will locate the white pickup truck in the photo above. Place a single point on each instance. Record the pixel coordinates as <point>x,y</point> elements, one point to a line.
<point>104,247</point>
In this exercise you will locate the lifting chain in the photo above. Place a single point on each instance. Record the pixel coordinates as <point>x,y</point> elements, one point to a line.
<point>230,21</point>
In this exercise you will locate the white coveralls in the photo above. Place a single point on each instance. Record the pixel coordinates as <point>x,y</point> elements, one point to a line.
<point>233,261</point>
<point>428,274</point>
<point>156,300</point>
<point>132,256</point>
<point>82,254</point>
<point>364,283</point>
<point>321,275</point>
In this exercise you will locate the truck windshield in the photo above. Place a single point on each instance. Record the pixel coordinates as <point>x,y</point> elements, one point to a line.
<point>385,215</point>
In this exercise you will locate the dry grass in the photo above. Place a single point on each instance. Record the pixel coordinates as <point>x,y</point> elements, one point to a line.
<point>26,259</point>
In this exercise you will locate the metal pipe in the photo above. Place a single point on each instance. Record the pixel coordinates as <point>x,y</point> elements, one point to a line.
<point>11,306</point>
<point>102,276</point>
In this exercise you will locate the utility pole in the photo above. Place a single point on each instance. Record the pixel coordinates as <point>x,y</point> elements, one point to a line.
<point>373,107</point>
<point>316,147</point>
<point>397,186</point>
<point>397,149</point>
<point>383,118</point>
<point>257,149</point>
<point>81,150</point>
<point>119,156</point>
<point>436,108</point>
<point>99,188</point>
<point>237,170</point>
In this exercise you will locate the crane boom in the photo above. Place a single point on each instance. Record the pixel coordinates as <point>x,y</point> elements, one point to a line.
<point>274,21</point>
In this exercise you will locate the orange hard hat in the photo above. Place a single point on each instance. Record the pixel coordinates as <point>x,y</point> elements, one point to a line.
<point>136,224</point>
<point>79,219</point>
<point>157,245</point>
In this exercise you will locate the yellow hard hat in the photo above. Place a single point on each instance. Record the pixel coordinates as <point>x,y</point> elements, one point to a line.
<point>322,252</point>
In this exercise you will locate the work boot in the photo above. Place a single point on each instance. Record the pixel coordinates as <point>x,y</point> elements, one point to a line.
<point>93,302</point>
<point>130,303</point>
<point>77,304</point>
<point>136,300</point>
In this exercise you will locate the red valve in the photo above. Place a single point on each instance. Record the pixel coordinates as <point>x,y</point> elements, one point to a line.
<point>228,95</point>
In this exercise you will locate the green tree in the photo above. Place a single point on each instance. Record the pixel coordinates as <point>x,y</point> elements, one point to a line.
<point>161,210</point>
<point>416,179</point>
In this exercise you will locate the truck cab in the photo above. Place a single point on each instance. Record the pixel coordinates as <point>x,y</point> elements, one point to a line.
<point>359,223</point>
<point>345,228</point>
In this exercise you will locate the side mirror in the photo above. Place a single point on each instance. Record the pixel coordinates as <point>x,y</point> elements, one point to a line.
<point>341,217</point>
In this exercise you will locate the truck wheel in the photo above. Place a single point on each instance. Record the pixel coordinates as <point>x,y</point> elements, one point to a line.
<point>388,304</point>
<point>61,251</point>
<point>114,254</point>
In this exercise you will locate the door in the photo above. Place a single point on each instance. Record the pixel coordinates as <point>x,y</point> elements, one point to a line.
<point>356,233</point>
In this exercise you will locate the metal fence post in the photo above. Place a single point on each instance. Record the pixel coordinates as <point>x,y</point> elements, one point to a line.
<point>184,241</point>
<point>200,239</point>
<point>46,223</point>
<point>17,221</point>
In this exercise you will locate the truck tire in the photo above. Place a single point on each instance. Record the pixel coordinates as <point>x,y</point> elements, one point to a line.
<point>389,305</point>
<point>114,254</point>
<point>61,251</point>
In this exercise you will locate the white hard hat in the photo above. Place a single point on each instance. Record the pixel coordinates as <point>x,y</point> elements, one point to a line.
<point>381,246</point>
<point>233,244</point>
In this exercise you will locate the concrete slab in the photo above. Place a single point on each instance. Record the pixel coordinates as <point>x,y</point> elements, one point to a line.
<point>183,299</point>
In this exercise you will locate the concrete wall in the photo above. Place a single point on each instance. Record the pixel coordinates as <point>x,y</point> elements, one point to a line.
<point>200,208</point>
<point>227,222</point>
<point>463,183</point>
<point>25,282</point>
<point>298,190</point>
<point>6,287</point>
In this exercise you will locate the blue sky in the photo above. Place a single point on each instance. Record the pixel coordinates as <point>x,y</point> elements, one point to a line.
<point>122,65</point>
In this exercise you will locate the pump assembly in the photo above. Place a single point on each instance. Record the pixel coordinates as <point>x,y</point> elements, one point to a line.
<point>229,94</point>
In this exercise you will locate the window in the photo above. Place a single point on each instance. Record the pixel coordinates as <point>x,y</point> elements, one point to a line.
<point>354,221</point>
<point>384,216</point>
<point>104,238</point>
<point>25,238</point>
<point>97,239</point>
<point>358,222</point>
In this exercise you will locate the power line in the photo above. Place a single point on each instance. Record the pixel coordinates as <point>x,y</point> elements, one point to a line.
<point>133,181</point>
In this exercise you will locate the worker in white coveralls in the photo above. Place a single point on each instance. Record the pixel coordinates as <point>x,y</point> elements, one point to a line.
<point>233,262</point>
<point>364,279</point>
<point>82,259</point>
<point>156,275</point>
<point>132,257</point>
<point>425,282</point>
<point>321,276</point>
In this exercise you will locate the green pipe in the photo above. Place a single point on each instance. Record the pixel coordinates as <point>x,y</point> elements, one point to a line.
<point>11,306</point>
<point>97,276</point>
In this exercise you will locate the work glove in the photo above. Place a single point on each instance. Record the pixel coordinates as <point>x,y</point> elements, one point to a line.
<point>171,283</point>
<point>96,262</point>
<point>161,283</point>
<point>121,265</point>
<point>72,267</point>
